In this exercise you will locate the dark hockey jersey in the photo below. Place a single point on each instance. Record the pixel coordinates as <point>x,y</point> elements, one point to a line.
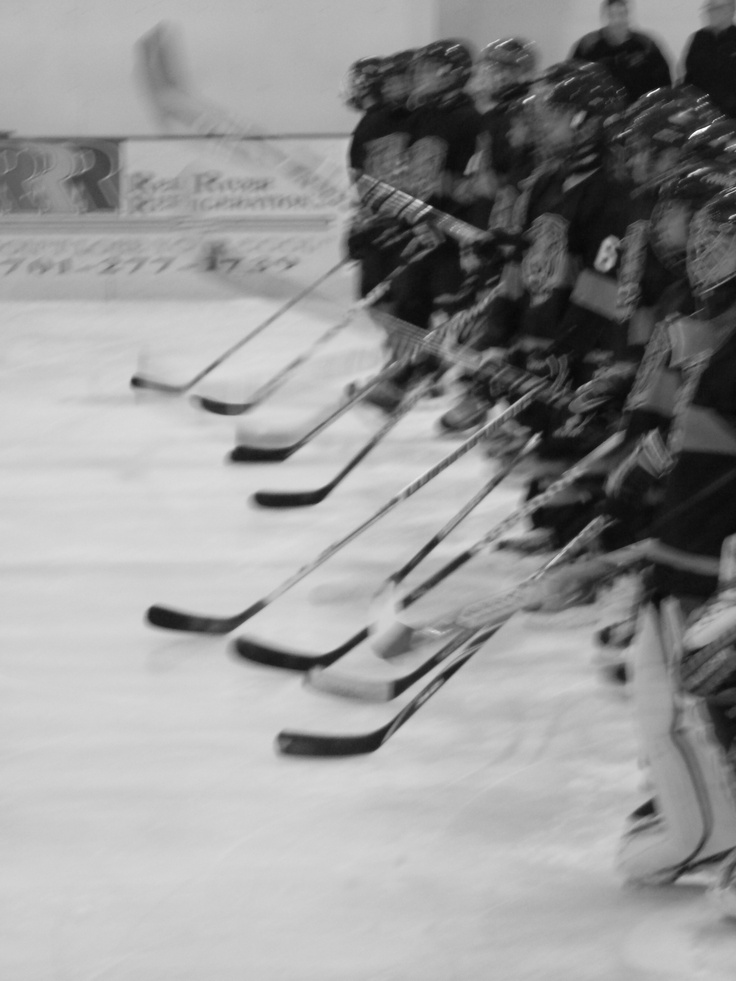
<point>442,142</point>
<point>510,158</point>
<point>378,145</point>
<point>698,510</point>
<point>560,216</point>
<point>611,247</point>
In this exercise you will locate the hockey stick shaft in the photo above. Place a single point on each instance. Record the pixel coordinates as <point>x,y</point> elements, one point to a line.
<point>403,495</point>
<point>568,477</point>
<point>421,342</point>
<point>387,199</point>
<point>301,498</point>
<point>468,642</point>
<point>139,381</point>
<point>295,661</point>
<point>174,620</point>
<point>401,574</point>
<point>375,295</point>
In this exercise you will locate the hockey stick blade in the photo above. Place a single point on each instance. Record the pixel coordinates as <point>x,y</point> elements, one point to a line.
<point>150,384</point>
<point>222,408</point>
<point>291,742</point>
<point>295,499</point>
<point>292,499</point>
<point>246,453</point>
<point>168,619</point>
<point>374,689</point>
<point>278,657</point>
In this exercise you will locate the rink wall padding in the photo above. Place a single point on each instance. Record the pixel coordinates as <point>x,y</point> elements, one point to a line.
<point>80,216</point>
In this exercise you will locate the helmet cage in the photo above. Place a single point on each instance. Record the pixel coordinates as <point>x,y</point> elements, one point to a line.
<point>711,253</point>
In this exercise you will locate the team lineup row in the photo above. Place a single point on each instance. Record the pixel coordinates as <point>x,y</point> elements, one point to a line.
<point>549,234</point>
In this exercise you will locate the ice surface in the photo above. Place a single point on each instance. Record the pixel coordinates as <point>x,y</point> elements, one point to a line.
<point>149,830</point>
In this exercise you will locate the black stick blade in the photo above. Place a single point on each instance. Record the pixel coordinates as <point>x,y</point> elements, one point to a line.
<point>221,408</point>
<point>244,453</point>
<point>140,381</point>
<point>276,657</point>
<point>290,499</point>
<point>168,619</point>
<point>292,743</point>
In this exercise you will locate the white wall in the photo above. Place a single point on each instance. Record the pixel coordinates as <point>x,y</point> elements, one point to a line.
<point>556,24</point>
<point>67,65</point>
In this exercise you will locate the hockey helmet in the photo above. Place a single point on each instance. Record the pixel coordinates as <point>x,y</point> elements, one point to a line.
<point>713,143</point>
<point>576,103</point>
<point>502,63</point>
<point>711,247</point>
<point>396,82</point>
<point>361,87</point>
<point>441,68</point>
<point>658,127</point>
<point>678,200</point>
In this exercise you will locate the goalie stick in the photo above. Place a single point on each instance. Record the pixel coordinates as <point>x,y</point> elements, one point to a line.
<point>299,743</point>
<point>141,381</point>
<point>277,657</point>
<point>170,619</point>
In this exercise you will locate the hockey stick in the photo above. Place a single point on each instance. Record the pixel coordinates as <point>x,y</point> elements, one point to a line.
<point>397,635</point>
<point>389,200</point>
<point>168,89</point>
<point>261,653</point>
<point>141,381</point>
<point>377,293</point>
<point>298,499</point>
<point>271,452</point>
<point>299,743</point>
<point>169,619</point>
<point>267,450</point>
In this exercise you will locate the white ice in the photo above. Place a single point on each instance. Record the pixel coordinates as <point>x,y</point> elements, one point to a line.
<point>149,830</point>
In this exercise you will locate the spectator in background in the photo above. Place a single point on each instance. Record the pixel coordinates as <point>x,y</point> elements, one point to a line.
<point>710,57</point>
<point>632,58</point>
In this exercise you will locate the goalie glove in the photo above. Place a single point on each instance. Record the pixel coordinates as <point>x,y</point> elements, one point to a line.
<point>641,471</point>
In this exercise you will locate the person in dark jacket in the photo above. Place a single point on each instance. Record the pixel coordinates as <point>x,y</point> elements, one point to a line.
<point>710,56</point>
<point>632,58</point>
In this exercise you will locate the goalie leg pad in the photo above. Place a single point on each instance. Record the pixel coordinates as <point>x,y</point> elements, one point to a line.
<point>693,783</point>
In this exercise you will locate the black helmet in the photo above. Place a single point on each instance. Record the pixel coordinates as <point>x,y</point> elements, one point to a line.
<point>711,247</point>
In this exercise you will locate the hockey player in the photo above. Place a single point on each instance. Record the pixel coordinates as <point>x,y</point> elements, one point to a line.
<point>684,706</point>
<point>443,132</point>
<point>644,269</point>
<point>500,81</point>
<point>378,88</point>
<point>559,220</point>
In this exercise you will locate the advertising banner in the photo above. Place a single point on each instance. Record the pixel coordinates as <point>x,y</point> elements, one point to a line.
<point>162,206</point>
